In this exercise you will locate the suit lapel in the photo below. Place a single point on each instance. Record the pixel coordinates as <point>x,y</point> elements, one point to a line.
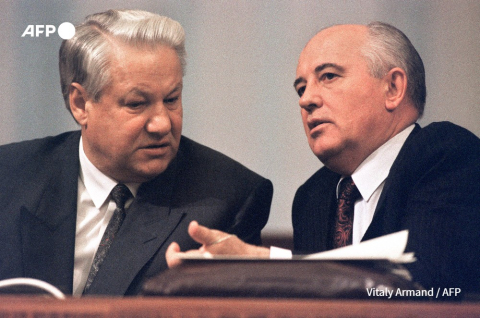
<point>313,208</point>
<point>385,219</point>
<point>144,231</point>
<point>328,210</point>
<point>48,218</point>
<point>149,222</point>
<point>326,207</point>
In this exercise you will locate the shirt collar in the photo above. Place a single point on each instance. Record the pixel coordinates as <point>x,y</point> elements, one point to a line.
<point>373,171</point>
<point>97,184</point>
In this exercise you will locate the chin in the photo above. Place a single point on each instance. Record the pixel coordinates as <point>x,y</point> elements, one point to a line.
<point>325,155</point>
<point>153,173</point>
<point>143,174</point>
<point>319,152</point>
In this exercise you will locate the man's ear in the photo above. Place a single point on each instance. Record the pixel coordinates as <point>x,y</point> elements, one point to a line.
<point>78,99</point>
<point>396,88</point>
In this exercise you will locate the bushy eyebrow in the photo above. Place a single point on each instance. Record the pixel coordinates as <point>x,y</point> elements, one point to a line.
<point>318,69</point>
<point>176,89</point>
<point>141,93</point>
<point>135,92</point>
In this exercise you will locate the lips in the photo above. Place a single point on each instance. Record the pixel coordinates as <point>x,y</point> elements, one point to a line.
<point>156,149</point>
<point>155,146</point>
<point>316,125</point>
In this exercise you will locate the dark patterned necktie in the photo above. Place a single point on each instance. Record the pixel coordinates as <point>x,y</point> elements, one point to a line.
<point>348,194</point>
<point>120,194</point>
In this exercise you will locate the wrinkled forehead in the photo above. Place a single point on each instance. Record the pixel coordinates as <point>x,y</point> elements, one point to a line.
<point>334,45</point>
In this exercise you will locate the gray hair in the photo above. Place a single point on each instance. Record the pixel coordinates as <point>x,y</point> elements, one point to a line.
<point>84,59</point>
<point>386,48</point>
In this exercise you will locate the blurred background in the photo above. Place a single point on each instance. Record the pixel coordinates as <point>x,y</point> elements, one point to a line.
<point>242,55</point>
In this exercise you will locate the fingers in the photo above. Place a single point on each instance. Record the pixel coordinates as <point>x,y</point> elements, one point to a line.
<point>214,242</point>
<point>200,234</point>
<point>204,235</point>
<point>192,230</point>
<point>170,255</point>
<point>220,240</point>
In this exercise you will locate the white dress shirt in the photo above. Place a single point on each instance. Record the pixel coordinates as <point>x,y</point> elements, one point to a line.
<point>94,210</point>
<point>369,178</point>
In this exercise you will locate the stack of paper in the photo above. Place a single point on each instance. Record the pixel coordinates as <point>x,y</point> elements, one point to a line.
<point>389,247</point>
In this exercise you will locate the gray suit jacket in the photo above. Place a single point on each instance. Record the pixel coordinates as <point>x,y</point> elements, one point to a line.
<point>38,200</point>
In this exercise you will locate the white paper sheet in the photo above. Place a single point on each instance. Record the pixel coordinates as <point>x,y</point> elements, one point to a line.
<point>389,247</point>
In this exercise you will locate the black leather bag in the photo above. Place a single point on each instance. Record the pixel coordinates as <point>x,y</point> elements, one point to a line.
<point>283,278</point>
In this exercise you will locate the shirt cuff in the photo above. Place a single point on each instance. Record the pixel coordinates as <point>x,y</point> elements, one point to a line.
<point>280,253</point>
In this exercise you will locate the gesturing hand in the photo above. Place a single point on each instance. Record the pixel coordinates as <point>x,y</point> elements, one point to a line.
<point>214,242</point>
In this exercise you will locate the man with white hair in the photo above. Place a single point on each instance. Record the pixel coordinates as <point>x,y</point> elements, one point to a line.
<point>93,211</point>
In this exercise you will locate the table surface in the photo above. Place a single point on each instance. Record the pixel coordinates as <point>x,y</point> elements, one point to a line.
<point>40,306</point>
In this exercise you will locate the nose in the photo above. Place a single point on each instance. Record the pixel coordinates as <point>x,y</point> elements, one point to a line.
<point>310,99</point>
<point>159,121</point>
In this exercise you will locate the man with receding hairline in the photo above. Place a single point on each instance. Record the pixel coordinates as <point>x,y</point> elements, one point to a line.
<point>361,90</point>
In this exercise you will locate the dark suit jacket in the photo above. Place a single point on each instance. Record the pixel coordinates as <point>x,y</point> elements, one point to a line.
<point>433,190</point>
<point>38,201</point>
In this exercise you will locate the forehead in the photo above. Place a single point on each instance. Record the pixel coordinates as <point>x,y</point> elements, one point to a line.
<point>144,64</point>
<point>122,54</point>
<point>339,45</point>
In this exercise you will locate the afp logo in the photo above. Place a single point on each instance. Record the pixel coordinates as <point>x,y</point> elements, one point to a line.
<point>66,30</point>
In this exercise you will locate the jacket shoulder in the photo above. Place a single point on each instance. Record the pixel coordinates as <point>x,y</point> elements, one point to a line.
<point>34,158</point>
<point>35,149</point>
<point>446,136</point>
<point>202,158</point>
<point>440,144</point>
<point>201,171</point>
<point>322,178</point>
<point>321,185</point>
